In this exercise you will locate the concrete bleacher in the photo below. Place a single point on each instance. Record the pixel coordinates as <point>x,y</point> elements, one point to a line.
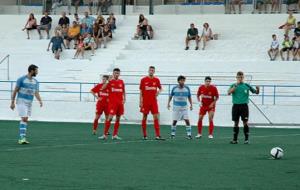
<point>242,45</point>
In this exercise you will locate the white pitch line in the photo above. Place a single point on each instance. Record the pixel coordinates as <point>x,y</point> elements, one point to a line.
<point>126,142</point>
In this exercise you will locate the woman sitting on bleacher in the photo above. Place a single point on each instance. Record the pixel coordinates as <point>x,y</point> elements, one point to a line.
<point>80,48</point>
<point>290,24</point>
<point>206,34</point>
<point>144,30</point>
<point>31,24</point>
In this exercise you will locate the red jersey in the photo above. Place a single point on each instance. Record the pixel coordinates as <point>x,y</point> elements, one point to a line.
<point>209,94</point>
<point>116,89</point>
<point>102,94</point>
<point>149,87</point>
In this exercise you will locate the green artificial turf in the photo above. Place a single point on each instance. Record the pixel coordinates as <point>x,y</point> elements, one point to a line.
<point>66,156</point>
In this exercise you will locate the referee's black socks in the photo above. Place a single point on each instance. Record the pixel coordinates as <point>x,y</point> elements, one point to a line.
<point>246,132</point>
<point>235,132</point>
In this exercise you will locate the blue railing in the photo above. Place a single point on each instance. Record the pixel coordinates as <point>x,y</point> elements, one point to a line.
<point>61,91</point>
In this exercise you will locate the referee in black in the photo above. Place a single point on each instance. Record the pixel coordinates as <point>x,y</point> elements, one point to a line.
<point>240,99</point>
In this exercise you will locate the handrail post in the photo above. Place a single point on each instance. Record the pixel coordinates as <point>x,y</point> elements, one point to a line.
<point>8,67</point>
<point>263,95</point>
<point>274,95</point>
<point>80,89</point>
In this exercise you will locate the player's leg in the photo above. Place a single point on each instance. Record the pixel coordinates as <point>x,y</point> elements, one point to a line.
<point>95,124</point>
<point>119,113</point>
<point>245,116</point>
<point>173,129</point>
<point>106,127</point>
<point>211,114</point>
<point>188,128</point>
<point>116,128</point>
<point>200,121</point>
<point>235,118</point>
<point>155,113</point>
<point>24,112</point>
<point>144,125</point>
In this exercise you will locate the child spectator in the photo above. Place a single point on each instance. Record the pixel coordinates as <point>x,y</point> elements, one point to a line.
<point>206,34</point>
<point>89,43</point>
<point>77,19</point>
<point>80,48</point>
<point>274,49</point>
<point>57,42</point>
<point>31,24</point>
<point>111,21</point>
<point>64,20</point>
<point>73,34</point>
<point>286,47</point>
<point>45,24</point>
<point>85,30</point>
<point>192,34</point>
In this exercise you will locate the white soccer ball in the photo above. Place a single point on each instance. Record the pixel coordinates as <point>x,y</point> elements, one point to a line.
<point>277,153</point>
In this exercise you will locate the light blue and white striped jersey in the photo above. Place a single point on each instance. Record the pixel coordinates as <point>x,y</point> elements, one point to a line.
<point>180,97</point>
<point>27,89</point>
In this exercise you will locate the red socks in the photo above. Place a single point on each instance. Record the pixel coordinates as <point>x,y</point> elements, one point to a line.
<point>211,127</point>
<point>116,128</point>
<point>95,126</point>
<point>199,127</point>
<point>156,127</point>
<point>107,126</point>
<point>144,127</point>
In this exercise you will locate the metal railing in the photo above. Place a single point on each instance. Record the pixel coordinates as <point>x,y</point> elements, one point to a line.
<point>6,58</point>
<point>77,91</point>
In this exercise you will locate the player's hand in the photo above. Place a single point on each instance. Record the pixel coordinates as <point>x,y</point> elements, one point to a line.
<point>12,106</point>
<point>157,93</point>
<point>110,77</point>
<point>124,101</point>
<point>257,89</point>
<point>141,104</point>
<point>191,107</point>
<point>168,106</point>
<point>41,103</point>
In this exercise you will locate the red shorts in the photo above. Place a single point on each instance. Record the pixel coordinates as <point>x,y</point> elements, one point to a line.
<point>101,107</point>
<point>150,107</point>
<point>116,108</point>
<point>205,109</point>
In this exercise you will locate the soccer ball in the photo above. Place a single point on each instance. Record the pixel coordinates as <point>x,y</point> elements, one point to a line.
<point>277,153</point>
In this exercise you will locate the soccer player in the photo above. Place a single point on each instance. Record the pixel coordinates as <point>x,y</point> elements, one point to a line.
<point>26,88</point>
<point>102,101</point>
<point>181,94</point>
<point>208,96</point>
<point>116,101</point>
<point>240,99</point>
<point>150,88</point>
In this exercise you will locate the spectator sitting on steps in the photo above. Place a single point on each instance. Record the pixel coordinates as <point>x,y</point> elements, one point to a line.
<point>192,34</point>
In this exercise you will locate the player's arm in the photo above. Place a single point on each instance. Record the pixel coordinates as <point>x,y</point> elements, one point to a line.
<point>106,83</point>
<point>253,90</point>
<point>169,101</point>
<point>199,95</point>
<point>94,94</point>
<point>141,94</point>
<point>232,89</point>
<point>159,87</point>
<point>124,95</point>
<point>191,102</point>
<point>13,97</point>
<point>38,97</point>
<point>216,98</point>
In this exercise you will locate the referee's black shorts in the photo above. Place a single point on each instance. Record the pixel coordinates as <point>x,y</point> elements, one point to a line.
<point>240,110</point>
